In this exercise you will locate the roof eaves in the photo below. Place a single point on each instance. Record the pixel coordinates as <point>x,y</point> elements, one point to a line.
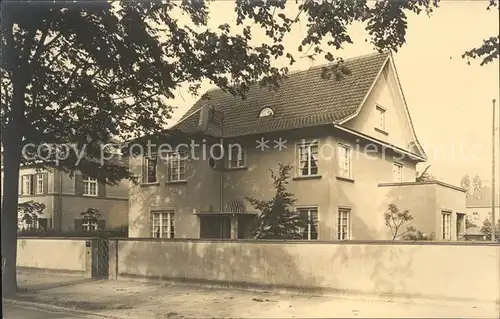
<point>400,88</point>
<point>352,116</point>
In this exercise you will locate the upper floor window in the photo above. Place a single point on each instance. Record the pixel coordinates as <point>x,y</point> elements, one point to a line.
<point>149,167</point>
<point>39,184</point>
<point>90,187</point>
<point>397,172</point>
<point>176,163</point>
<point>162,224</point>
<point>446,226</point>
<point>308,158</point>
<point>380,118</point>
<point>310,216</point>
<point>343,224</point>
<point>345,161</point>
<point>236,157</point>
<point>26,187</point>
<point>266,112</point>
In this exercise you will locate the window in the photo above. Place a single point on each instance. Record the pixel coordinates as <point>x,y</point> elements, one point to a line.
<point>308,158</point>
<point>39,184</point>
<point>88,226</point>
<point>344,153</point>
<point>162,225</point>
<point>310,216</point>
<point>343,224</point>
<point>236,158</point>
<point>90,187</point>
<point>446,226</point>
<point>397,172</point>
<point>266,112</point>
<point>149,169</point>
<point>381,118</point>
<point>26,185</point>
<point>177,166</point>
<point>475,215</point>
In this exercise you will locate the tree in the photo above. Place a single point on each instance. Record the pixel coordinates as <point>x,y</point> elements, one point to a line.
<point>277,219</point>
<point>395,219</point>
<point>29,212</point>
<point>425,176</point>
<point>486,229</point>
<point>489,50</point>
<point>82,73</point>
<point>91,216</point>
<point>477,184</point>
<point>465,184</point>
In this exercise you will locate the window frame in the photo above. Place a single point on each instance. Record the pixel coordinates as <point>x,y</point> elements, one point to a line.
<point>307,145</point>
<point>341,235</point>
<point>26,188</point>
<point>340,169</point>
<point>240,162</point>
<point>445,218</point>
<point>86,227</point>
<point>382,122</point>
<point>170,214</point>
<point>87,182</point>
<point>179,157</point>
<point>400,167</point>
<point>146,160</point>
<point>308,229</point>
<point>39,188</point>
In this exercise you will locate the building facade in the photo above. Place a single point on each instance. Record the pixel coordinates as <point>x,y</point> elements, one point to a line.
<point>350,141</point>
<point>65,198</point>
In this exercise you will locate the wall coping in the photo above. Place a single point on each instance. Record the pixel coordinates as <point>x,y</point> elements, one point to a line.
<point>314,242</point>
<point>64,238</point>
<point>424,183</point>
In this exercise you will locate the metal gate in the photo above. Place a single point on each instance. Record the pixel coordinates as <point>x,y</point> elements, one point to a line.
<point>100,267</point>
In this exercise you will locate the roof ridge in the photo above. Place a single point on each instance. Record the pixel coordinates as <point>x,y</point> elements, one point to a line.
<point>351,59</point>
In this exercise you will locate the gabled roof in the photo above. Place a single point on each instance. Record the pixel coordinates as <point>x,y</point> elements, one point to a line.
<point>482,198</point>
<point>304,99</point>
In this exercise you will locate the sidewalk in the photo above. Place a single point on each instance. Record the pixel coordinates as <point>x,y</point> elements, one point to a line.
<point>135,299</point>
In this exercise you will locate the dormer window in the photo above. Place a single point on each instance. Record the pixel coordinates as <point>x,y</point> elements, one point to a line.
<point>266,112</point>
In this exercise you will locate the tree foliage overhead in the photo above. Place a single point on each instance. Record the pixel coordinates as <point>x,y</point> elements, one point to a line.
<point>489,49</point>
<point>278,219</point>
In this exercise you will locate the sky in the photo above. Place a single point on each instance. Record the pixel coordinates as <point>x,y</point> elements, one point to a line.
<point>450,101</point>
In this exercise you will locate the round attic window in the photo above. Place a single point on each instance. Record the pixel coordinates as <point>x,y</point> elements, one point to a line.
<point>266,112</point>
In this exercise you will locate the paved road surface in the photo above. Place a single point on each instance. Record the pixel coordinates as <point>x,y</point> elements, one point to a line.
<point>21,312</point>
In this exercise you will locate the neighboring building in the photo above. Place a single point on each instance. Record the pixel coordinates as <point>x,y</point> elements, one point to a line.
<point>351,142</point>
<point>479,210</point>
<point>65,198</point>
<point>479,206</point>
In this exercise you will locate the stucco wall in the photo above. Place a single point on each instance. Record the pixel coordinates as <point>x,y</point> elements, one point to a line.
<point>202,188</point>
<point>385,93</point>
<point>403,270</point>
<point>113,211</point>
<point>426,202</point>
<point>52,254</point>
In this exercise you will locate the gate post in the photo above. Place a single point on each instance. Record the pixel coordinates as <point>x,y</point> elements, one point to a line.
<point>113,259</point>
<point>89,257</point>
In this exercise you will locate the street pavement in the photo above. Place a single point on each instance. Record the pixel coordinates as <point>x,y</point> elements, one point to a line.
<point>13,311</point>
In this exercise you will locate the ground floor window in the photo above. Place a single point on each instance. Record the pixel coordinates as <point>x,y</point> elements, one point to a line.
<point>310,216</point>
<point>343,224</point>
<point>162,224</point>
<point>446,225</point>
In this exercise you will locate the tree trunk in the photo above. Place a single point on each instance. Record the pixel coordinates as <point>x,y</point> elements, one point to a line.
<point>12,161</point>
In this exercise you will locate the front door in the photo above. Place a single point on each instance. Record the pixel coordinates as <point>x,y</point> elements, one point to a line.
<point>215,227</point>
